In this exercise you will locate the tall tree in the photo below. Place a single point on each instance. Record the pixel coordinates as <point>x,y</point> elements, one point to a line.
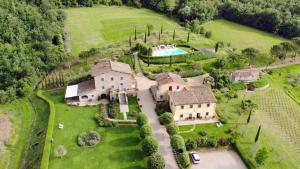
<point>145,38</point>
<point>135,34</point>
<point>188,37</point>
<point>130,41</point>
<point>162,29</point>
<point>257,134</point>
<point>149,28</point>
<point>174,34</point>
<point>217,47</point>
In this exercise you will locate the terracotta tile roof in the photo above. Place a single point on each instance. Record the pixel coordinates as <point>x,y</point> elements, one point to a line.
<point>194,95</point>
<point>165,78</point>
<point>245,73</point>
<point>107,65</point>
<point>86,87</point>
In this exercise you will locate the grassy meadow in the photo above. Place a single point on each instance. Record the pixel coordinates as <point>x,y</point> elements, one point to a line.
<point>119,147</point>
<point>241,36</point>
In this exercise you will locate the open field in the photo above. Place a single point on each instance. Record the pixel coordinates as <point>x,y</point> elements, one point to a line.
<point>119,147</point>
<point>279,116</point>
<point>21,114</point>
<point>241,36</point>
<point>100,25</point>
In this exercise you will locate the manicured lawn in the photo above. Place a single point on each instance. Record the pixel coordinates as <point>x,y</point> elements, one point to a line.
<point>279,116</point>
<point>241,36</point>
<point>211,129</point>
<point>134,107</point>
<point>21,113</point>
<point>97,26</point>
<point>119,147</point>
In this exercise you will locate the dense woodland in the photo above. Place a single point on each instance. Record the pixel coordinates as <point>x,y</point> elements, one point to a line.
<point>31,43</point>
<point>276,16</point>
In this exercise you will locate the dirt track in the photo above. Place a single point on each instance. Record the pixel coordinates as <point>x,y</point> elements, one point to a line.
<point>5,129</point>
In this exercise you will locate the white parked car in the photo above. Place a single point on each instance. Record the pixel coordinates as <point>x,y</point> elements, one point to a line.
<point>195,157</point>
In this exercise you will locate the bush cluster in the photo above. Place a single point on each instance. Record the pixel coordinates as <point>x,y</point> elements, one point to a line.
<point>104,122</point>
<point>88,139</point>
<point>166,118</point>
<point>145,130</point>
<point>156,161</point>
<point>172,129</point>
<point>149,145</point>
<point>141,119</point>
<point>211,142</point>
<point>177,143</point>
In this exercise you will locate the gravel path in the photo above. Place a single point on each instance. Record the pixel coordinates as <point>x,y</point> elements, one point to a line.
<point>159,131</point>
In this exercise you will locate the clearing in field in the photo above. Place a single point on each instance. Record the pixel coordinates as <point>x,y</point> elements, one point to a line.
<point>119,147</point>
<point>241,36</point>
<point>94,27</point>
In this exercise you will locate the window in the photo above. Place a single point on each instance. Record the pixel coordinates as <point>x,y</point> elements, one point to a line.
<point>191,106</point>
<point>199,105</point>
<point>161,96</point>
<point>84,97</point>
<point>111,78</point>
<point>177,87</point>
<point>103,87</point>
<point>112,86</point>
<point>170,88</point>
<point>182,107</point>
<point>102,79</point>
<point>121,78</point>
<point>208,105</point>
<point>181,115</point>
<point>207,113</point>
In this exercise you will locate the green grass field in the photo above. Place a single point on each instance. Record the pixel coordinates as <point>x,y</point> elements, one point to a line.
<point>279,116</point>
<point>241,36</point>
<point>119,147</point>
<point>101,25</point>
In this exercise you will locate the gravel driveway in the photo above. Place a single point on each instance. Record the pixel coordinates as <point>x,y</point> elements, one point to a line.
<point>219,160</point>
<point>159,131</point>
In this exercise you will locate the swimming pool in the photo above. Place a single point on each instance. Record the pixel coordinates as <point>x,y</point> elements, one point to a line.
<point>168,52</point>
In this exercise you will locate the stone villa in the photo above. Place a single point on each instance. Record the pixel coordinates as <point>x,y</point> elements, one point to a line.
<point>111,80</point>
<point>166,82</point>
<point>186,101</point>
<point>194,103</point>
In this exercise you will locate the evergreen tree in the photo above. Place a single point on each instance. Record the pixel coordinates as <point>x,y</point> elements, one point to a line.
<point>174,35</point>
<point>188,37</point>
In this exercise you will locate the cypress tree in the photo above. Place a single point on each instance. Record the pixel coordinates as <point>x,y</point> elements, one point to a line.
<point>129,41</point>
<point>57,81</point>
<point>159,36</point>
<point>257,134</point>
<point>188,38</point>
<point>174,35</point>
<point>134,33</point>
<point>249,117</point>
<point>161,28</point>
<point>170,61</point>
<point>145,39</point>
<point>217,47</point>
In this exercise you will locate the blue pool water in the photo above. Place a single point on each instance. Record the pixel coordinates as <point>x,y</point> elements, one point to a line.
<point>168,52</point>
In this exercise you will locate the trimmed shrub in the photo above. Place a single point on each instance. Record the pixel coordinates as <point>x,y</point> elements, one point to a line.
<point>146,130</point>
<point>156,161</point>
<point>149,145</point>
<point>166,118</point>
<point>172,129</point>
<point>208,34</point>
<point>177,143</point>
<point>60,151</point>
<point>88,139</point>
<point>184,159</point>
<point>191,144</point>
<point>141,119</point>
<point>203,133</point>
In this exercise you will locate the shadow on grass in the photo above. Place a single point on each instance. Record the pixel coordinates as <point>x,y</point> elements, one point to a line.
<point>125,141</point>
<point>127,156</point>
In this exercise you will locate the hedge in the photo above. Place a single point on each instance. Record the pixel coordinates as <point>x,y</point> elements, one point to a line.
<point>47,146</point>
<point>145,130</point>
<point>166,118</point>
<point>150,145</point>
<point>141,119</point>
<point>196,56</point>
<point>172,129</point>
<point>260,83</point>
<point>177,143</point>
<point>156,161</point>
